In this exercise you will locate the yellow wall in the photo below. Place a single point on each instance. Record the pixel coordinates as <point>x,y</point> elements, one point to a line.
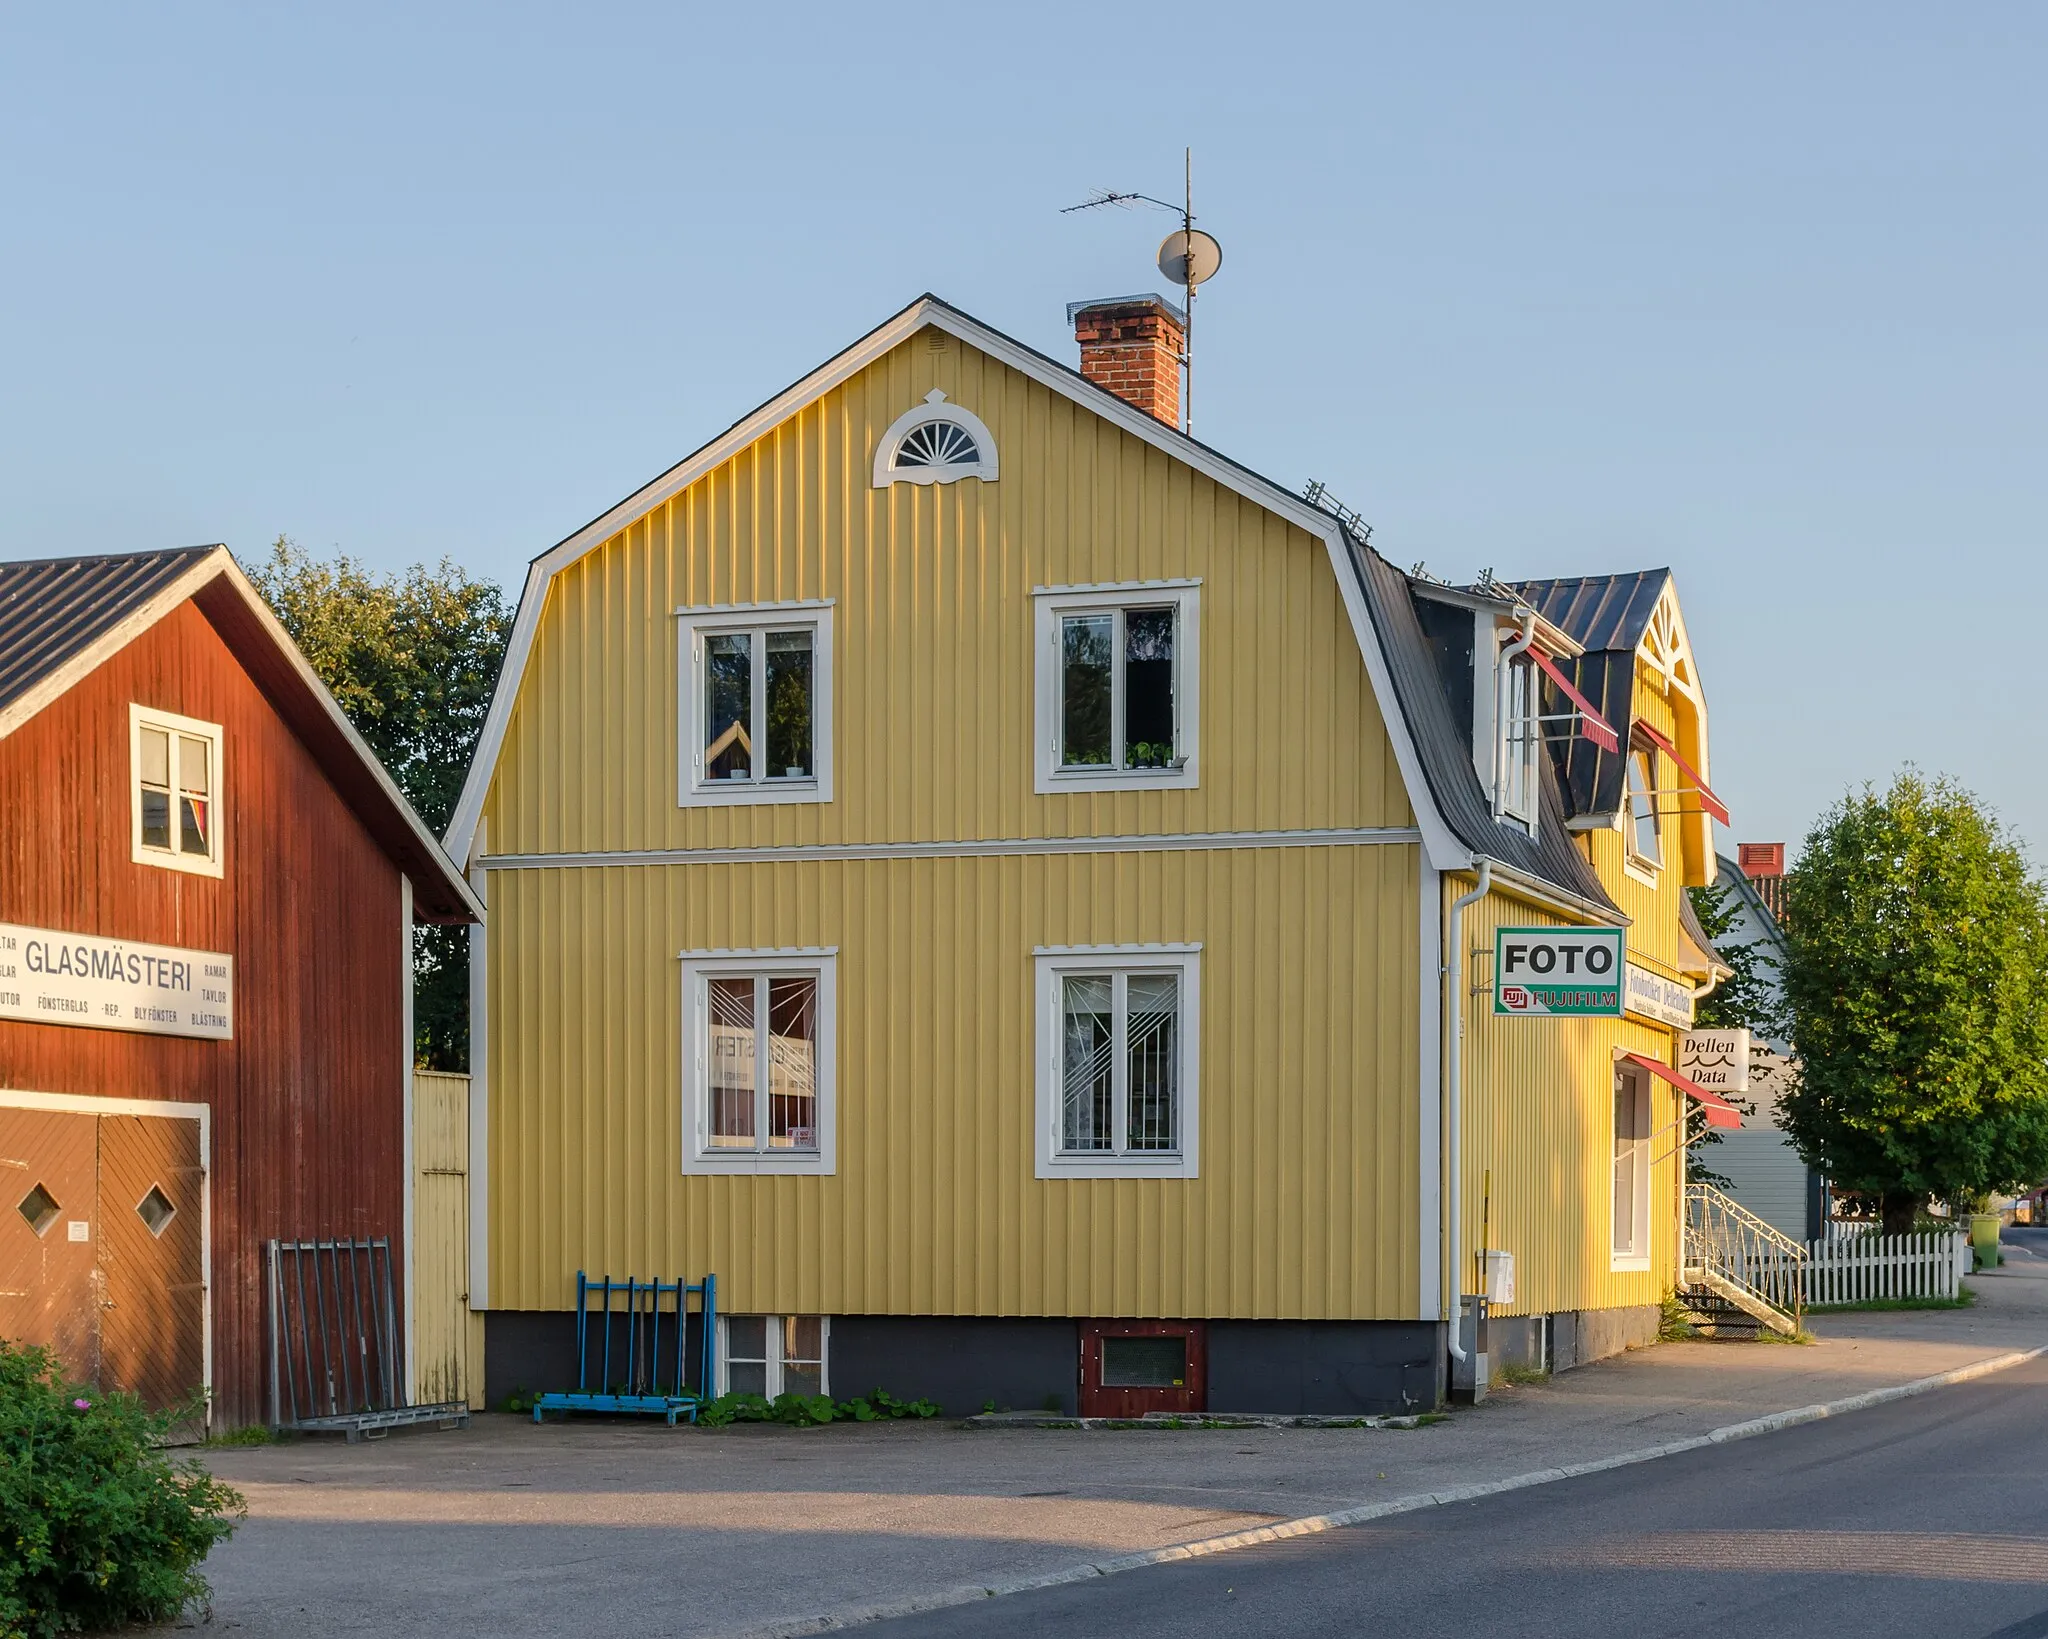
<point>1306,1203</point>
<point>448,1343</point>
<point>1539,1112</point>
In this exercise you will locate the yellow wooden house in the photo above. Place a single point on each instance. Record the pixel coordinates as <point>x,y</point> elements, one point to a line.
<point>994,880</point>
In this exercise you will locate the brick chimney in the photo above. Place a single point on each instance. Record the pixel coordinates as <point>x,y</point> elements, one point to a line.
<point>1133,345</point>
<point>1764,864</point>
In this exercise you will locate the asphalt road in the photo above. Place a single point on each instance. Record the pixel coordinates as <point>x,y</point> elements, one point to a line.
<point>1925,1517</point>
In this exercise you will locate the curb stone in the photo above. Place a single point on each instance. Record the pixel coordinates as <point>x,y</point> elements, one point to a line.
<point>1312,1524</point>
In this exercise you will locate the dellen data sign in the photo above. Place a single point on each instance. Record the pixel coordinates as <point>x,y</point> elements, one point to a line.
<point>1559,972</point>
<point>115,984</point>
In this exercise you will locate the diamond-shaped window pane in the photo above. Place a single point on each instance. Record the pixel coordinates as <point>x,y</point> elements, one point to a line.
<point>39,1207</point>
<point>155,1210</point>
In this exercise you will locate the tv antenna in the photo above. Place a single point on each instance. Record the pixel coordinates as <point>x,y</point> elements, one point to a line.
<point>1188,256</point>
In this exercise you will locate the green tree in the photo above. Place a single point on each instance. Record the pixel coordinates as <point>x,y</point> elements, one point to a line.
<point>1748,999</point>
<point>412,659</point>
<point>1917,974</point>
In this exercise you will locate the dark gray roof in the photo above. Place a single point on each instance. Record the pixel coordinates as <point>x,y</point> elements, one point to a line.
<point>54,608</point>
<point>1600,611</point>
<point>1689,920</point>
<point>1445,747</point>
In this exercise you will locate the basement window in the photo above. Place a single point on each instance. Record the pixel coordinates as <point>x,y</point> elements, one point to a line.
<point>772,1355</point>
<point>756,706</point>
<point>175,783</point>
<point>758,1055</point>
<point>1117,1062</point>
<point>1118,686</point>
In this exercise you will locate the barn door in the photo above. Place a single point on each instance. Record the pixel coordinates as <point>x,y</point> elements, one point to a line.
<point>48,1282</point>
<point>152,1285</point>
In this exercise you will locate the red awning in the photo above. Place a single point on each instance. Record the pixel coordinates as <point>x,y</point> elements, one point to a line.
<point>1718,1111</point>
<point>1711,803</point>
<point>1591,724</point>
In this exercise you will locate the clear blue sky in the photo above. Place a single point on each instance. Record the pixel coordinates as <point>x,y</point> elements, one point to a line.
<point>1754,291</point>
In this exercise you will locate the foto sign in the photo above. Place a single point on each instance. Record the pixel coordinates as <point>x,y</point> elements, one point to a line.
<point>1715,1059</point>
<point>1559,972</point>
<point>49,977</point>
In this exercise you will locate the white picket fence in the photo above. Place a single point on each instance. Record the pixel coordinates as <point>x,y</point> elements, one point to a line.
<point>1856,1269</point>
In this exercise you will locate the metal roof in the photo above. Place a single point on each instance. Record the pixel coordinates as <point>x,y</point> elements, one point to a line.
<point>54,608</point>
<point>1601,611</point>
<point>1445,748</point>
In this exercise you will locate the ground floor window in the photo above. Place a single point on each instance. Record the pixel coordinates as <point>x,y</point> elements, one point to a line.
<point>771,1355</point>
<point>758,1057</point>
<point>1631,1212</point>
<point>1116,1061</point>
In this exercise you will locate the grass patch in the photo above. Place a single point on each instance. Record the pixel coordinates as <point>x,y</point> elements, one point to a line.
<point>1675,1325</point>
<point>1764,1334</point>
<point>241,1437</point>
<point>1889,1305</point>
<point>1521,1376</point>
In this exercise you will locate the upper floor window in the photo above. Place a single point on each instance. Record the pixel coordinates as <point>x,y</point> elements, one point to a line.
<point>1117,1060</point>
<point>1520,743</point>
<point>1645,848</point>
<point>936,443</point>
<point>175,780</point>
<point>1118,686</point>
<point>756,704</point>
<point>758,1056</point>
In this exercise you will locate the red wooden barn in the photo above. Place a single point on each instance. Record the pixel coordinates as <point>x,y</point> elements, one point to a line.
<point>207,890</point>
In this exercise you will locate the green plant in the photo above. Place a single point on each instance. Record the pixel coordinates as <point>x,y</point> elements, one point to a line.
<point>257,1436</point>
<point>519,1403</point>
<point>1521,1376</point>
<point>810,1410</point>
<point>102,1527</point>
<point>1675,1325</point>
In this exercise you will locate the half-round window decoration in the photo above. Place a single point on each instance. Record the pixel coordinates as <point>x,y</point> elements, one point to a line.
<point>935,443</point>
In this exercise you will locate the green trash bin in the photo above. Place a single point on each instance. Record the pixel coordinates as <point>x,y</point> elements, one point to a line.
<point>1984,1238</point>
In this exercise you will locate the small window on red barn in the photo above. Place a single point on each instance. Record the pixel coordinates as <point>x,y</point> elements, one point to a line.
<point>177,788</point>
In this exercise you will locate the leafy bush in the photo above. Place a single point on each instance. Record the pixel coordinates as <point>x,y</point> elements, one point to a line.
<point>99,1526</point>
<point>809,1410</point>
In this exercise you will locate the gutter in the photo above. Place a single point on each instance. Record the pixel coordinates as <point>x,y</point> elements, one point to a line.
<point>1454,1065</point>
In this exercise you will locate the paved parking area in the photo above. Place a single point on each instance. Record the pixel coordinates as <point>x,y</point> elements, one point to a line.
<point>598,1526</point>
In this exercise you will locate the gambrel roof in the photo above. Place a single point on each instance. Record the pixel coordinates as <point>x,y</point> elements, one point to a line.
<point>1452,836</point>
<point>62,618</point>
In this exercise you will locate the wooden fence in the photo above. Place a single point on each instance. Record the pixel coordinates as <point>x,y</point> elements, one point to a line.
<point>1860,1268</point>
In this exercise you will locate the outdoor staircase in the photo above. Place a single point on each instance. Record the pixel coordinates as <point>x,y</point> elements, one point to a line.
<point>1739,1275</point>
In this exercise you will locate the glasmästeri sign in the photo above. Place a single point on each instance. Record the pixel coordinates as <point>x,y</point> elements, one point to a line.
<point>49,977</point>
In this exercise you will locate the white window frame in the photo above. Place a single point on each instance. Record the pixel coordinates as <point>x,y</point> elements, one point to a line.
<point>774,1363</point>
<point>699,967</point>
<point>1518,769</point>
<point>170,859</point>
<point>1055,963</point>
<point>1634,1254</point>
<point>1643,870</point>
<point>1054,604</point>
<point>935,408</point>
<point>693,626</point>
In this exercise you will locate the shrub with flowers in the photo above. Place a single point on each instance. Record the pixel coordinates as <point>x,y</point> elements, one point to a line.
<point>98,1526</point>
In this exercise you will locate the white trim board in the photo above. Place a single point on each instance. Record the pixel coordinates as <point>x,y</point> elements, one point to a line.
<point>1444,850</point>
<point>975,849</point>
<point>93,1104</point>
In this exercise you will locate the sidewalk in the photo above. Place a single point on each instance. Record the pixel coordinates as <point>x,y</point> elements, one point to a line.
<point>594,1527</point>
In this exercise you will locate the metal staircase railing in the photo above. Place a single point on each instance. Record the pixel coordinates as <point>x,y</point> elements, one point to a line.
<point>1733,1252</point>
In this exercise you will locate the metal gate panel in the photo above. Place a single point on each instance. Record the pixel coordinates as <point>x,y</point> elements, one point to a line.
<point>49,1287</point>
<point>153,1286</point>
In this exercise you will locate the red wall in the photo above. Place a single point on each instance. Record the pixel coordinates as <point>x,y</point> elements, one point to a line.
<point>308,1099</point>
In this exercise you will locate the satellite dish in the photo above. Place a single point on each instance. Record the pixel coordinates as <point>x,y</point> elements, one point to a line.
<point>1189,258</point>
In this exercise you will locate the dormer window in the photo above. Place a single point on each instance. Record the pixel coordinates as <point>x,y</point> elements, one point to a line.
<point>936,443</point>
<point>1645,847</point>
<point>1520,744</point>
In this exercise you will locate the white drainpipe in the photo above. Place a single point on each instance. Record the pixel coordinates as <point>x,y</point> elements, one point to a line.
<point>1453,1096</point>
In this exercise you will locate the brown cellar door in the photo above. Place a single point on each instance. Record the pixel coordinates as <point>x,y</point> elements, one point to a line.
<point>153,1292</point>
<point>48,1280</point>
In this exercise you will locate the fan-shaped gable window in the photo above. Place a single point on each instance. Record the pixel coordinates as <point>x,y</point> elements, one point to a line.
<point>935,443</point>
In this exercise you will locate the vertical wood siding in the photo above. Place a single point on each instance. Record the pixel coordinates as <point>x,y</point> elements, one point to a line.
<point>1306,1202</point>
<point>1539,1112</point>
<point>932,586</point>
<point>307,1098</point>
<point>448,1348</point>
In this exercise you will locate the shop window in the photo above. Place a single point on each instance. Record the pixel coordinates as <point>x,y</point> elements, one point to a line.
<point>175,767</point>
<point>1117,686</point>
